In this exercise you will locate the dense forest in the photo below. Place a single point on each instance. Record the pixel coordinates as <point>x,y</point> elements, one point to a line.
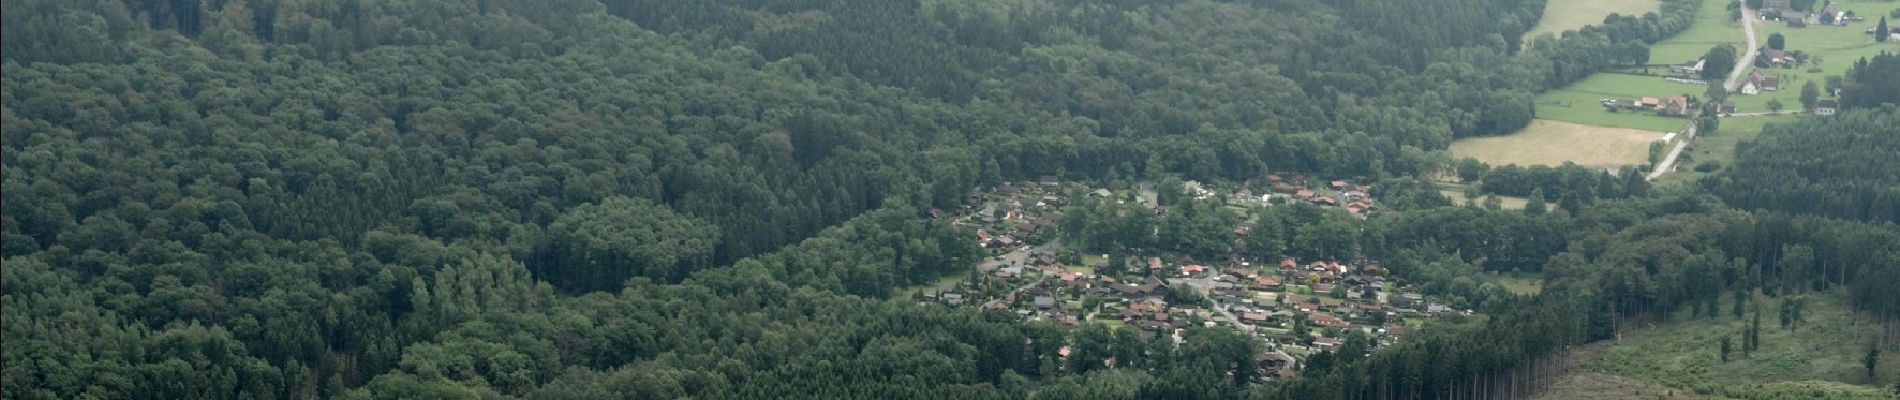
<point>714,199</point>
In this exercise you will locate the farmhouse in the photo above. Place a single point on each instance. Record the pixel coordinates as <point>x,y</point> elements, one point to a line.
<point>1826,107</point>
<point>1761,83</point>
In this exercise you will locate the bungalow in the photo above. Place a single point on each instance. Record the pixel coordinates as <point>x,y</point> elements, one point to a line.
<point>1323,319</point>
<point>1326,343</point>
<point>1253,317</point>
<point>1243,273</point>
<point>1826,107</point>
<point>1193,270</point>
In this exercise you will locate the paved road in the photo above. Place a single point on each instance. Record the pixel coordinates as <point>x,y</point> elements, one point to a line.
<point>1748,53</point>
<point>1668,163</point>
<point>1762,114</point>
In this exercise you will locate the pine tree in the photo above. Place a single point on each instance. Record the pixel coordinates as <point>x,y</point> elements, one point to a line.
<point>1872,359</point>
<point>1810,95</point>
<point>1880,31</point>
<point>1725,348</point>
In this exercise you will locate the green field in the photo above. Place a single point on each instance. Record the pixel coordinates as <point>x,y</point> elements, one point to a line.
<point>1580,102</point>
<point>1826,346</point>
<point>1835,46</point>
<point>1712,27</point>
<point>1719,147</point>
<point>1560,16</point>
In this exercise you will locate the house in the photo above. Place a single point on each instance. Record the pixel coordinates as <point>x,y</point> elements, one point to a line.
<point>1761,82</point>
<point>1678,106</point>
<point>1045,302</point>
<point>1253,317</point>
<point>1192,270</point>
<point>1049,180</point>
<point>1749,88</point>
<point>1774,5</point>
<point>1775,56</point>
<point>1154,263</point>
<point>1826,107</point>
<point>1274,360</point>
<point>1267,282</point>
<point>1728,107</point>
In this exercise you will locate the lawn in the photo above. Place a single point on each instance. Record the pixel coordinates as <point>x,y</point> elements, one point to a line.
<point>1719,148</point>
<point>1565,15</point>
<point>1547,142</point>
<point>1826,346</point>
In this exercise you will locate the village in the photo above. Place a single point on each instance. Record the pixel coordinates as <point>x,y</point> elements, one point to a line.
<point>1295,307</point>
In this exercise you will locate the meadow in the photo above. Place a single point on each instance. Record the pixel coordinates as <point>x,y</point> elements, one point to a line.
<point>1832,48</point>
<point>1580,103</point>
<point>1560,16</point>
<point>1719,149</point>
<point>1547,142</point>
<point>1712,27</point>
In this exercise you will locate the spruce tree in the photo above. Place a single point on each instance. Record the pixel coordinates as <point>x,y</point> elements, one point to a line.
<point>1880,31</point>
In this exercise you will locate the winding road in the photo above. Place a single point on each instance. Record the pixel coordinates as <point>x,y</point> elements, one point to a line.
<point>1734,78</point>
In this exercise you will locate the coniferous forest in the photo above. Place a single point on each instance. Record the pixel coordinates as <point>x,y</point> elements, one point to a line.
<point>723,199</point>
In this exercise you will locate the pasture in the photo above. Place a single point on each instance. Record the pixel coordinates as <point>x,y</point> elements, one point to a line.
<point>1832,50</point>
<point>1547,142</point>
<point>1578,103</point>
<point>1561,15</point>
<point>1712,27</point>
<point>1719,149</point>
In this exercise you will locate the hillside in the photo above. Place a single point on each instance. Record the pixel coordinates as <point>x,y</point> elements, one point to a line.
<point>719,199</point>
